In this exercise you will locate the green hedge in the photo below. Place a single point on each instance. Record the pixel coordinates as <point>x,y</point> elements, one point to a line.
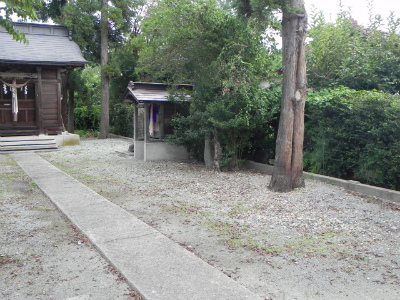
<point>354,135</point>
<point>87,117</point>
<point>121,119</point>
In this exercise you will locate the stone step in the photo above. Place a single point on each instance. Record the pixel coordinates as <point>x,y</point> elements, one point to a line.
<point>26,143</point>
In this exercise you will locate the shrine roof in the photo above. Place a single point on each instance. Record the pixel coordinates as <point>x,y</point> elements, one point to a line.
<point>140,92</point>
<point>47,45</point>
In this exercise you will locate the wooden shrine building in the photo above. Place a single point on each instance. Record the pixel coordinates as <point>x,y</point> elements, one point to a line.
<point>30,79</point>
<point>153,112</point>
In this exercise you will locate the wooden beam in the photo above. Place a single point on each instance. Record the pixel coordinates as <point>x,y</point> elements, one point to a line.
<point>39,112</point>
<point>18,75</point>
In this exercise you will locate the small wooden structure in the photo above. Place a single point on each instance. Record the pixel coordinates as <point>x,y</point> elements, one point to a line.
<point>153,111</point>
<point>30,79</point>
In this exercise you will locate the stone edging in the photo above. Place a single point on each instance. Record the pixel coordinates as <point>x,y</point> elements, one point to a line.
<point>355,186</point>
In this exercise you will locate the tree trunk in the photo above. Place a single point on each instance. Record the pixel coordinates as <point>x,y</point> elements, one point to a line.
<point>105,98</point>
<point>288,167</point>
<point>208,151</point>
<point>235,155</point>
<point>217,151</point>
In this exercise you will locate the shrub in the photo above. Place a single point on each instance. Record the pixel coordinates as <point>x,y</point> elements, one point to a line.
<point>354,135</point>
<point>87,117</point>
<point>121,119</point>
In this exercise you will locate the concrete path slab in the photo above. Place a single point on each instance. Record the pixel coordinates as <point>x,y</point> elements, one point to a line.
<point>155,266</point>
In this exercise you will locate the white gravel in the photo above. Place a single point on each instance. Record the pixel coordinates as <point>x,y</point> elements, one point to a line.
<point>43,255</point>
<point>319,242</point>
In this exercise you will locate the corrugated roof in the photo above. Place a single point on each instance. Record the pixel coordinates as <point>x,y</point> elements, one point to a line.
<point>150,95</point>
<point>48,45</point>
<point>154,92</point>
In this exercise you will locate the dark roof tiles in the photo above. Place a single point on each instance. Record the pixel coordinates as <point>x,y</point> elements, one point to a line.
<point>48,45</point>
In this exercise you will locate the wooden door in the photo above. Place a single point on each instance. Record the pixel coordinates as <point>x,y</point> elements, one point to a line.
<point>26,107</point>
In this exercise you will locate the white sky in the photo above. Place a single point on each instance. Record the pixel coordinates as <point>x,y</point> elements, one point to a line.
<point>359,8</point>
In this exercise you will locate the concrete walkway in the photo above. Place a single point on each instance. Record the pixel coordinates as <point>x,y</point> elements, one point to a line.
<point>155,266</point>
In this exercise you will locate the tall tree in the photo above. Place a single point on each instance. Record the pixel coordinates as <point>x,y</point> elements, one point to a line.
<point>224,56</point>
<point>105,80</point>
<point>288,167</point>
<point>23,9</point>
<point>99,36</point>
<point>345,53</point>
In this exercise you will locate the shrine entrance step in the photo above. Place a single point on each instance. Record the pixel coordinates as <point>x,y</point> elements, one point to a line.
<point>13,131</point>
<point>26,143</point>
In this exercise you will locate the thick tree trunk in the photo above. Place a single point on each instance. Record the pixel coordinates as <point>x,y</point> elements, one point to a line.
<point>288,167</point>
<point>208,151</point>
<point>105,98</point>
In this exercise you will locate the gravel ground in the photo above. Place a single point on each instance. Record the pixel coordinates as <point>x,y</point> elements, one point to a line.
<point>319,242</point>
<point>43,255</point>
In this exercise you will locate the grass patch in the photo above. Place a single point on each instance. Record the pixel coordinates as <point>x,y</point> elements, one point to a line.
<point>7,177</point>
<point>88,177</point>
<point>87,133</point>
<point>239,236</point>
<point>32,184</point>
<point>183,208</point>
<point>320,244</point>
<point>256,246</point>
<point>7,259</point>
<point>9,161</point>
<point>238,210</point>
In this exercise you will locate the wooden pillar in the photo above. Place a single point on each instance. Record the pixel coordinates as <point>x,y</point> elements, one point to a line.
<point>14,99</point>
<point>135,121</point>
<point>146,123</point>
<point>71,106</point>
<point>39,104</point>
<point>64,96</point>
<point>161,120</point>
<point>60,121</point>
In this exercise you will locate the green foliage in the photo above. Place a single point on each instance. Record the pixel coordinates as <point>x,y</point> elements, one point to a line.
<point>123,59</point>
<point>343,53</point>
<point>87,97</point>
<point>354,135</point>
<point>121,114</point>
<point>24,9</point>
<point>225,58</point>
<point>87,133</point>
<point>86,84</point>
<point>83,18</point>
<point>121,119</point>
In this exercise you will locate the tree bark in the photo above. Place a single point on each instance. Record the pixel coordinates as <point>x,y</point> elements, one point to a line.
<point>208,151</point>
<point>217,151</point>
<point>105,98</point>
<point>288,167</point>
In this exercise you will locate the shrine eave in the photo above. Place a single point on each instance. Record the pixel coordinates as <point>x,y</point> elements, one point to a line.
<point>45,63</point>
